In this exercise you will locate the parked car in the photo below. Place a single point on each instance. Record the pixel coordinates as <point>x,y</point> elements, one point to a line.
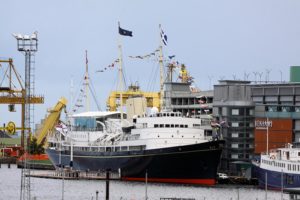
<point>222,176</point>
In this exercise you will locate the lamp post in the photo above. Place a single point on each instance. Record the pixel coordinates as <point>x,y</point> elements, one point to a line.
<point>267,75</point>
<point>28,45</point>
<point>255,76</point>
<point>267,136</point>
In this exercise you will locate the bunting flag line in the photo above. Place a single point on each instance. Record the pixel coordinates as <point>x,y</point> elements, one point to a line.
<point>112,65</point>
<point>171,57</point>
<point>146,56</point>
<point>163,36</point>
<point>79,101</point>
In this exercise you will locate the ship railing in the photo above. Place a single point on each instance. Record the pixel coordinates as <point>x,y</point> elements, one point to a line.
<point>81,128</point>
<point>130,137</point>
<point>87,174</point>
<point>113,126</point>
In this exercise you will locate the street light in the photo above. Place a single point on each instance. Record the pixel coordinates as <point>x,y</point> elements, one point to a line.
<point>267,75</point>
<point>260,75</point>
<point>26,42</point>
<point>28,45</point>
<point>255,74</point>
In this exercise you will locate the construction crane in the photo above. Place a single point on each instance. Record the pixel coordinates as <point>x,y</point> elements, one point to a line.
<point>50,121</point>
<point>12,94</point>
<point>152,98</point>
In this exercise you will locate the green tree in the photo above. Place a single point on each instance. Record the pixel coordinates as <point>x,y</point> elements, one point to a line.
<point>35,148</point>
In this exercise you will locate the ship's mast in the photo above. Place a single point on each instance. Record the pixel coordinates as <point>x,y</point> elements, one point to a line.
<point>120,75</point>
<point>86,80</point>
<point>161,65</point>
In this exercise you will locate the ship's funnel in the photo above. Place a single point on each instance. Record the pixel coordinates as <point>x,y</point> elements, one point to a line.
<point>136,106</point>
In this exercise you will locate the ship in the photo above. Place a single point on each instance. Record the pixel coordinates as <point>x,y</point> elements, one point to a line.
<point>166,146</point>
<point>278,169</point>
<point>158,144</point>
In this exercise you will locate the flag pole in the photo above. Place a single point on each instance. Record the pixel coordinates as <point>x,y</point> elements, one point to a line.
<point>120,73</point>
<point>161,65</point>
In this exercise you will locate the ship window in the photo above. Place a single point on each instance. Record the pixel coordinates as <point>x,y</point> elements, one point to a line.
<point>176,125</point>
<point>101,149</point>
<point>155,125</point>
<point>161,125</point>
<point>167,125</point>
<point>181,125</point>
<point>185,126</point>
<point>136,148</point>
<point>172,114</point>
<point>172,125</point>
<point>124,148</point>
<point>196,125</point>
<point>298,153</point>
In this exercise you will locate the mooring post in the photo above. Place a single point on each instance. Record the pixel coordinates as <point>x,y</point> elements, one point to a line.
<point>107,185</point>
<point>97,192</point>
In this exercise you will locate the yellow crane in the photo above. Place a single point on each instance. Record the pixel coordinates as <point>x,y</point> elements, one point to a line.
<point>11,95</point>
<point>152,98</point>
<point>50,121</point>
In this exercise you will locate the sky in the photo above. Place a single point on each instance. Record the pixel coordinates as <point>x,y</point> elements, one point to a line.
<point>216,40</point>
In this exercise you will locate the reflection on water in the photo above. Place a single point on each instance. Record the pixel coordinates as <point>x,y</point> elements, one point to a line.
<point>48,189</point>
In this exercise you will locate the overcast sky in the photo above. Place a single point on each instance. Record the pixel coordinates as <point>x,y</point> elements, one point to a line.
<point>214,39</point>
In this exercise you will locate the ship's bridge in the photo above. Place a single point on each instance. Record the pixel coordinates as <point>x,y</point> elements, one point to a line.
<point>167,120</point>
<point>92,121</point>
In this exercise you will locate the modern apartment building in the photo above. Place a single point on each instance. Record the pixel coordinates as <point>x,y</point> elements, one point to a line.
<point>232,104</point>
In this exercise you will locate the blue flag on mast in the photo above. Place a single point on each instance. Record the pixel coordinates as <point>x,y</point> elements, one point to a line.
<point>124,32</point>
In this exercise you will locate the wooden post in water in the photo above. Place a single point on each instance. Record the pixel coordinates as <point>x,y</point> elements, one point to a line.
<point>107,185</point>
<point>97,192</point>
<point>266,186</point>
<point>146,185</point>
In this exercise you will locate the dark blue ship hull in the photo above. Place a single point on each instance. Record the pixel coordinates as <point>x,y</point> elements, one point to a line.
<point>191,164</point>
<point>275,180</point>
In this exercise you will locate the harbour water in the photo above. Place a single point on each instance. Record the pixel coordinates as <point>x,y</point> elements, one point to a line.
<point>50,189</point>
